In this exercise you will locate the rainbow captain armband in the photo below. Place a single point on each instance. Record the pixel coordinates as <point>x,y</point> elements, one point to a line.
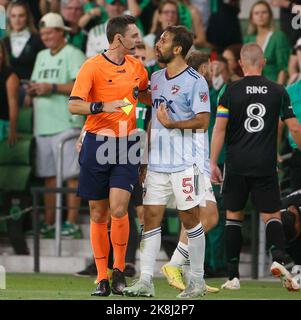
<point>222,112</point>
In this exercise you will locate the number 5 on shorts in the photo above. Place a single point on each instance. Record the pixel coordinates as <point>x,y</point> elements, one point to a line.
<point>187,183</point>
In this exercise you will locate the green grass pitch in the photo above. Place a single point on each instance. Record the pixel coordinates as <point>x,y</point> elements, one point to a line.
<point>68,287</point>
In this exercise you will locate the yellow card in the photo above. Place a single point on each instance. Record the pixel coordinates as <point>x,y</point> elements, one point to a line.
<point>127,109</point>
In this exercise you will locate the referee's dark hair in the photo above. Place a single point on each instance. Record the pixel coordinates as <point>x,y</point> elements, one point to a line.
<point>119,25</point>
<point>182,37</point>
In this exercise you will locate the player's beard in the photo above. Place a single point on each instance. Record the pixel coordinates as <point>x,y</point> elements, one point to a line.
<point>167,58</point>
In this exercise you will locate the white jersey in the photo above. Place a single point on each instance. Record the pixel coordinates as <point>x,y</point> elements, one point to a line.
<point>185,95</point>
<point>97,40</point>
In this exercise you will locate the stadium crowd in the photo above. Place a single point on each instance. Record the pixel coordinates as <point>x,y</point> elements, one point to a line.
<point>45,45</point>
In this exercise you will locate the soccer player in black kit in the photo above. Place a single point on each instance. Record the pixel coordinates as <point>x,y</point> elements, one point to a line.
<point>247,121</point>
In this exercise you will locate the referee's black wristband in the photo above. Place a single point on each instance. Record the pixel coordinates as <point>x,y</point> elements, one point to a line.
<point>96,107</point>
<point>54,88</point>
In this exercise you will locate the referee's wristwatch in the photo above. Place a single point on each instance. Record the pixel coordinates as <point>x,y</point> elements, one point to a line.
<point>96,107</point>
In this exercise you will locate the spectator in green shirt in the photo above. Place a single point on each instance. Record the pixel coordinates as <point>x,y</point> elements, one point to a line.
<point>274,43</point>
<point>188,16</point>
<point>192,19</point>
<point>294,91</point>
<point>94,14</point>
<point>52,80</point>
<point>72,10</point>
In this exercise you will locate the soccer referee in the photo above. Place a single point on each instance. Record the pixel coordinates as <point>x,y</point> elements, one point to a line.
<point>107,89</point>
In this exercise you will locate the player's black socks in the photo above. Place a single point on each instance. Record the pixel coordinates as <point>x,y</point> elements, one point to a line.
<point>233,246</point>
<point>275,240</point>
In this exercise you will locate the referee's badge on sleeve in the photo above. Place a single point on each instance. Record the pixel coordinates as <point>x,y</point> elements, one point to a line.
<point>135,93</point>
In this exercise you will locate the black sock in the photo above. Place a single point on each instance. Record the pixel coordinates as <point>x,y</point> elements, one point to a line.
<point>233,246</point>
<point>276,240</point>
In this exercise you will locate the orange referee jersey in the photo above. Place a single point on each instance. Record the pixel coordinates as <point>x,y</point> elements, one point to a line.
<point>100,79</point>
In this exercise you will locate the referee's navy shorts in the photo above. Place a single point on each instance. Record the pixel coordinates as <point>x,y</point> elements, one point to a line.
<point>101,169</point>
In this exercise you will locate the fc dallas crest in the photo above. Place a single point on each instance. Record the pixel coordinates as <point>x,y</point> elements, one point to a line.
<point>175,89</point>
<point>203,96</point>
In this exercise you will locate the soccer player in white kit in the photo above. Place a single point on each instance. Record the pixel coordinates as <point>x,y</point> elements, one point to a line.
<point>180,115</point>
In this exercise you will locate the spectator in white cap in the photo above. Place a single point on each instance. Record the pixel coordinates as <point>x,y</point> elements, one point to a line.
<point>52,79</point>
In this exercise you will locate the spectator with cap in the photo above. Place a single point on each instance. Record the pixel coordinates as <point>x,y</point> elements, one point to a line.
<point>52,80</point>
<point>97,37</point>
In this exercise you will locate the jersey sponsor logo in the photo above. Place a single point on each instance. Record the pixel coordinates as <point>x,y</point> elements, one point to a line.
<point>203,96</point>
<point>49,74</point>
<point>255,113</point>
<point>256,90</point>
<point>141,112</point>
<point>155,88</point>
<point>121,71</point>
<point>162,99</point>
<point>189,198</point>
<point>135,92</point>
<point>175,89</point>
